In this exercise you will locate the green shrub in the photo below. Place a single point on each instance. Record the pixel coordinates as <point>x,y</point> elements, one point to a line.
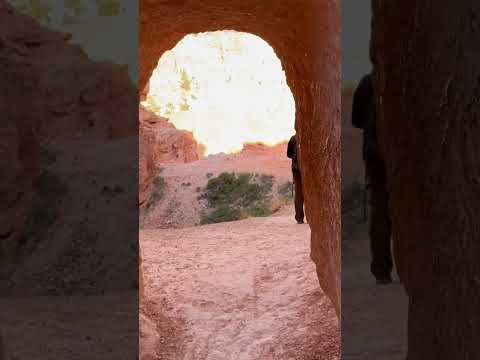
<point>232,189</point>
<point>285,190</point>
<point>229,195</point>
<point>260,209</point>
<point>220,214</point>
<point>159,186</point>
<point>266,183</point>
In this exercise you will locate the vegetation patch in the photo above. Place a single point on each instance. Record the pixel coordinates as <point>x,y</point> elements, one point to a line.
<point>231,196</point>
<point>260,209</point>
<point>286,191</point>
<point>221,214</point>
<point>158,190</point>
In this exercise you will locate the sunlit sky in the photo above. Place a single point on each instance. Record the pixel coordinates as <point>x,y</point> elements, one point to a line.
<point>227,88</point>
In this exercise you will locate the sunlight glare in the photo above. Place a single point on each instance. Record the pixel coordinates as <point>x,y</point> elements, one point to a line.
<point>228,88</point>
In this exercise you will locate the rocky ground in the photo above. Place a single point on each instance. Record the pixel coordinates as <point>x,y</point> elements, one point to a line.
<point>235,290</point>
<point>374,318</point>
<point>184,182</point>
<point>70,327</point>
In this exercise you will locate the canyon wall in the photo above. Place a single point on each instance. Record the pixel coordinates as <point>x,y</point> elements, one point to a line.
<point>52,95</point>
<point>306,37</point>
<point>161,143</point>
<point>425,56</point>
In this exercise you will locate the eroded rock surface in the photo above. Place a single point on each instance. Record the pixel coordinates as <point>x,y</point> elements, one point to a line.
<point>50,91</point>
<point>57,104</point>
<point>256,298</point>
<point>161,143</point>
<point>427,80</point>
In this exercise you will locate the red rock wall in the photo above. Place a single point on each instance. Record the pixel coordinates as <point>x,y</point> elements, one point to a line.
<point>50,90</point>
<point>306,37</point>
<point>426,61</point>
<point>161,143</point>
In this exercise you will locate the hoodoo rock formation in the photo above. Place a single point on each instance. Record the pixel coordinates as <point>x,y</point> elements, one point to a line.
<point>161,143</point>
<point>306,37</point>
<point>427,84</point>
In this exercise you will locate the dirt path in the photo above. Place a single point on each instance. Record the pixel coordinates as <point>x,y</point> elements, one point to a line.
<point>70,327</point>
<point>374,318</point>
<point>238,290</point>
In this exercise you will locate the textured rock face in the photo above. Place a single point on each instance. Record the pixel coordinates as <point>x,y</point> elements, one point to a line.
<point>161,143</point>
<point>306,37</point>
<point>169,143</point>
<point>427,80</point>
<point>66,91</point>
<point>52,91</point>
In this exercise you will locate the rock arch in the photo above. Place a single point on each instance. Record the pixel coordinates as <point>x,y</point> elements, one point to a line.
<point>306,37</point>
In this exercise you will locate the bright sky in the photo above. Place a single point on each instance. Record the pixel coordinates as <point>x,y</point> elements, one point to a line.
<point>227,88</point>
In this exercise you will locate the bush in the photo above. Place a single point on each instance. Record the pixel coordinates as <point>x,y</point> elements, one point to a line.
<point>260,209</point>
<point>285,191</point>
<point>235,190</point>
<point>230,195</point>
<point>266,183</point>
<point>158,191</point>
<point>221,214</point>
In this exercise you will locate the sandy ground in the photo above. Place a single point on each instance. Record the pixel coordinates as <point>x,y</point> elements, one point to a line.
<point>70,328</point>
<point>374,318</point>
<point>180,206</point>
<point>238,290</point>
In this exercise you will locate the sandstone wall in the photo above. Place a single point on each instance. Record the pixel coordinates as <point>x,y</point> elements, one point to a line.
<point>306,37</point>
<point>425,56</point>
<point>49,90</point>
<point>53,94</point>
<point>161,143</point>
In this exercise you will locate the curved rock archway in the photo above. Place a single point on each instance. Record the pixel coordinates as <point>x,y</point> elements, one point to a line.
<point>306,37</point>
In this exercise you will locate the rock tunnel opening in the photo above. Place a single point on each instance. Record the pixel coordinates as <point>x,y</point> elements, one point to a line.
<point>227,88</point>
<point>310,55</point>
<point>245,254</point>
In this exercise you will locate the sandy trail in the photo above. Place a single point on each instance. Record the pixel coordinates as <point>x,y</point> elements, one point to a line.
<point>239,290</point>
<point>70,327</point>
<point>374,318</point>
